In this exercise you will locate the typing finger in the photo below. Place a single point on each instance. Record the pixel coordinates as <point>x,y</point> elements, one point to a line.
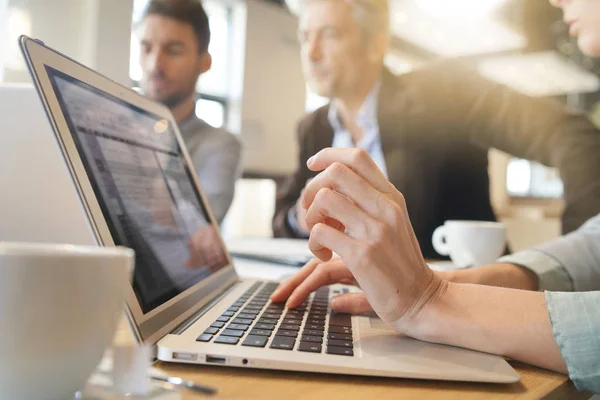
<point>324,274</point>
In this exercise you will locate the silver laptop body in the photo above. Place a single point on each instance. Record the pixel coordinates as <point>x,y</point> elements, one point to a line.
<point>138,188</point>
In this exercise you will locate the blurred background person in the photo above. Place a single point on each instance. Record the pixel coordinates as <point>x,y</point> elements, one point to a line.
<point>174,36</point>
<point>428,131</point>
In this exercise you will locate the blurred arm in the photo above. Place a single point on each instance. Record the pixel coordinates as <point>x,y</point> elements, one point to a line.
<point>541,130</point>
<point>284,220</point>
<point>571,262</point>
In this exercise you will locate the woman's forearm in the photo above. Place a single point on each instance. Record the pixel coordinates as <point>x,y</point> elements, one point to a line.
<point>503,275</point>
<point>508,322</point>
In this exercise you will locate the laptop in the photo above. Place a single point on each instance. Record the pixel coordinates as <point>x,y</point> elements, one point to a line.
<point>139,189</point>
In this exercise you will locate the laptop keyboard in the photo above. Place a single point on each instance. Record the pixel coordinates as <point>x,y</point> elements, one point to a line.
<point>253,320</point>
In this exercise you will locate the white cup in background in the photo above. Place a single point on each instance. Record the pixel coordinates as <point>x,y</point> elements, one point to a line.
<point>59,309</point>
<point>470,243</point>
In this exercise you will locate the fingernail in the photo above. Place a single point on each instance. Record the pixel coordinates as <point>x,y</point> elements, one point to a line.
<point>310,161</point>
<point>334,302</point>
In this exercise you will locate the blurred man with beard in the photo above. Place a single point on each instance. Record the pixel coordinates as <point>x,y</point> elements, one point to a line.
<point>174,37</point>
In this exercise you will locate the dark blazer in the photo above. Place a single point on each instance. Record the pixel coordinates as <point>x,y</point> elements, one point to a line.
<point>436,126</point>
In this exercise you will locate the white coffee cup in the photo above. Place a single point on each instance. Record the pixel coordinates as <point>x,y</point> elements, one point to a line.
<point>59,309</point>
<point>470,243</point>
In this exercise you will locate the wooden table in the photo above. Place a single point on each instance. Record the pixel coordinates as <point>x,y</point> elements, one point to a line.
<point>239,383</point>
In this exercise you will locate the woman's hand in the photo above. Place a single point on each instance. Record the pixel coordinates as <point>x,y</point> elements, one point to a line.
<point>317,273</point>
<point>354,211</point>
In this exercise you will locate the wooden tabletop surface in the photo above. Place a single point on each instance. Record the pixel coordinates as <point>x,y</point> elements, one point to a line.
<point>240,383</point>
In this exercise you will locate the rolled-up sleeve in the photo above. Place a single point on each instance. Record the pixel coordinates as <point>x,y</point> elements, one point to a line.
<point>569,263</point>
<point>575,319</point>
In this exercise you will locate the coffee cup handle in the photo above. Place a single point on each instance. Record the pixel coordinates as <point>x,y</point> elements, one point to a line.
<point>439,241</point>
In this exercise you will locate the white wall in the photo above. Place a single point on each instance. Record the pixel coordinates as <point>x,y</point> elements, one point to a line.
<point>274,89</point>
<point>94,32</point>
<point>108,41</point>
<point>3,9</point>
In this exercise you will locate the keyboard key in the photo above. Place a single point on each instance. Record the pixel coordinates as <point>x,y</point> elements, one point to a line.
<point>232,332</point>
<point>340,351</point>
<point>340,329</point>
<point>340,320</point>
<point>290,327</point>
<point>205,337</point>
<point>211,331</point>
<point>223,319</point>
<point>265,326</point>
<point>228,313</point>
<point>317,312</point>
<point>340,343</point>
<point>283,343</point>
<point>313,339</point>
<point>243,321</point>
<point>246,316</point>
<point>267,321</point>
<point>312,332</point>
<point>252,308</point>
<point>217,325</point>
<point>313,321</point>
<point>233,309</point>
<point>271,316</point>
<point>295,312</point>
<point>315,327</point>
<point>260,332</point>
<point>339,336</point>
<point>287,333</point>
<point>310,347</point>
<point>255,341</point>
<point>227,340</point>
<point>293,321</point>
<point>238,327</point>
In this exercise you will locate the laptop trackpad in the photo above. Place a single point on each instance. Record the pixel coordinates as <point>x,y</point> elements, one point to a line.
<point>377,323</point>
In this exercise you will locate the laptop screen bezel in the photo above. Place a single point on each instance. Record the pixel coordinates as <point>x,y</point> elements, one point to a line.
<point>152,326</point>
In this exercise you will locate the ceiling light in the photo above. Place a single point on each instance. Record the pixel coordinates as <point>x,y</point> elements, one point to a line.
<point>459,9</point>
<point>539,74</point>
<point>449,37</point>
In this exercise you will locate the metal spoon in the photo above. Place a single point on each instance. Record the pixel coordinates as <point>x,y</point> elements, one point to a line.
<point>190,385</point>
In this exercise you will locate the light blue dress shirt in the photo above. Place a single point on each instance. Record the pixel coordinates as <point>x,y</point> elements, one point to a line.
<point>571,262</point>
<point>366,119</point>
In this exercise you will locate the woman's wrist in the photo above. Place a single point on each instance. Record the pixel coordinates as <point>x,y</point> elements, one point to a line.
<point>427,324</point>
<point>416,317</point>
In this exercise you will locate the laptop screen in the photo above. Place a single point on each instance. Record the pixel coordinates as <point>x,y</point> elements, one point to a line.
<point>144,188</point>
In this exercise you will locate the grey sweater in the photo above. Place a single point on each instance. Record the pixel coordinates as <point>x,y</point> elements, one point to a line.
<point>217,158</point>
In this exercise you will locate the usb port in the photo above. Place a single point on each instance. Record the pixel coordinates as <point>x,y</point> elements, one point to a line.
<point>216,360</point>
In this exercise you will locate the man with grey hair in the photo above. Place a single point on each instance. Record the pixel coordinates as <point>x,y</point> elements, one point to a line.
<point>429,130</point>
